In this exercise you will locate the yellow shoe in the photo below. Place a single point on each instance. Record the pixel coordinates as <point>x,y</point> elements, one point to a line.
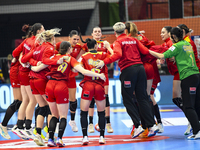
<point>109,128</point>
<point>45,129</point>
<point>144,134</point>
<point>35,132</point>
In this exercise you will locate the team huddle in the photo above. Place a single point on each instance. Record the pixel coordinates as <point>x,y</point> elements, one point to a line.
<point>43,73</point>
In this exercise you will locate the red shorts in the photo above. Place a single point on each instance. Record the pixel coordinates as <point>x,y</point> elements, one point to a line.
<point>57,91</point>
<point>24,78</point>
<point>176,76</point>
<point>107,80</point>
<point>38,85</point>
<point>149,70</point>
<point>92,89</point>
<point>71,83</point>
<point>14,77</point>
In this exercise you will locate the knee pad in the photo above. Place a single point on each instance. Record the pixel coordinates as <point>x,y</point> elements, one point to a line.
<point>92,103</point>
<point>107,101</point>
<point>43,111</point>
<point>73,105</point>
<point>15,105</point>
<point>178,102</point>
<point>48,110</point>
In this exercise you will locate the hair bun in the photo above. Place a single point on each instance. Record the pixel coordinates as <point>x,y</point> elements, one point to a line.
<point>25,27</point>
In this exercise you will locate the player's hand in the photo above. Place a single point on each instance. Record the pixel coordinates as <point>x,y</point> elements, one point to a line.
<point>39,63</point>
<point>60,61</point>
<point>162,61</point>
<point>103,77</point>
<point>100,64</point>
<point>106,44</point>
<point>14,60</point>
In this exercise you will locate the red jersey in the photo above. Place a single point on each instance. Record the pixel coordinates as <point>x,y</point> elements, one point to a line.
<point>127,50</point>
<point>61,72</point>
<point>76,50</point>
<point>89,60</point>
<point>25,47</point>
<point>47,54</point>
<point>37,55</point>
<point>145,41</point>
<point>100,47</point>
<point>170,65</point>
<point>188,39</point>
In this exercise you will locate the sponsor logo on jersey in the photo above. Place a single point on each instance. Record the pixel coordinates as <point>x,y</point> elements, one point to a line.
<point>172,48</point>
<point>36,52</point>
<point>27,47</point>
<point>128,42</point>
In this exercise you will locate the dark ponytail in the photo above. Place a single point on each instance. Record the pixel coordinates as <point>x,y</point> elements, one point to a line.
<point>90,42</point>
<point>178,33</point>
<point>27,29</point>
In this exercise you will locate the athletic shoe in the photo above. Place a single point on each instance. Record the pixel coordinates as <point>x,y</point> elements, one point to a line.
<point>45,129</point>
<point>102,140</point>
<point>144,134</point>
<point>97,127</point>
<point>73,125</point>
<point>4,132</point>
<point>14,128</point>
<point>35,132</point>
<point>28,133</point>
<point>132,131</point>
<point>19,133</point>
<point>38,140</point>
<point>47,137</point>
<point>197,136</point>
<point>191,137</point>
<point>51,143</point>
<point>91,128</point>
<point>85,140</point>
<point>153,130</point>
<point>59,142</point>
<point>188,130</point>
<point>109,128</point>
<point>160,127</point>
<point>137,132</point>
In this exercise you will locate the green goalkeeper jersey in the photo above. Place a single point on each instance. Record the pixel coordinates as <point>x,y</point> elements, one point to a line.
<point>184,57</point>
